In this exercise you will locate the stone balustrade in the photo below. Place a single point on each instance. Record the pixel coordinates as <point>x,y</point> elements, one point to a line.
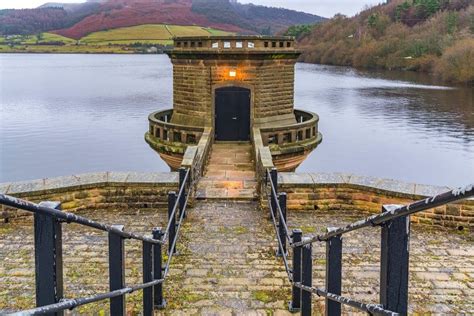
<point>231,43</point>
<point>305,129</point>
<point>195,157</point>
<point>163,130</point>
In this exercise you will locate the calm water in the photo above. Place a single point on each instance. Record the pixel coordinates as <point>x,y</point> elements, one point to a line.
<point>70,114</point>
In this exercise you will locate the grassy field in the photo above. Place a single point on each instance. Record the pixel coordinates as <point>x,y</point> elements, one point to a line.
<point>117,41</point>
<point>150,34</point>
<point>67,49</point>
<point>33,39</point>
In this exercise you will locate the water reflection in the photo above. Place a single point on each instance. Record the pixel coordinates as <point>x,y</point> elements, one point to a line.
<point>69,114</point>
<point>407,130</point>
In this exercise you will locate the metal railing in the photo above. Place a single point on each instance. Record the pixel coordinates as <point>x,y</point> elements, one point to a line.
<point>48,221</point>
<point>394,264</point>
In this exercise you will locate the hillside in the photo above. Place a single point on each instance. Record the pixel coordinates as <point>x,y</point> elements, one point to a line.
<point>134,39</point>
<point>435,36</point>
<point>259,19</point>
<point>147,34</point>
<point>78,20</point>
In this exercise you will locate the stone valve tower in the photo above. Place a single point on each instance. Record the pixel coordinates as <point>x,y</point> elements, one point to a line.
<point>240,87</point>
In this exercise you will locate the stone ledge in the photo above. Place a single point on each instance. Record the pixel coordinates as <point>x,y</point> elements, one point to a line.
<point>373,183</point>
<point>90,180</point>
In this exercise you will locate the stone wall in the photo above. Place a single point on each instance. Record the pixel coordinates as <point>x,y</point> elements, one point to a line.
<point>95,191</point>
<point>271,82</point>
<point>320,192</point>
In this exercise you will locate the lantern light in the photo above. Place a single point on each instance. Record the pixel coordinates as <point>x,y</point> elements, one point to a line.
<point>233,73</point>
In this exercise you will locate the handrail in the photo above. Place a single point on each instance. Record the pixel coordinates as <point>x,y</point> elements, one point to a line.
<point>374,309</point>
<point>278,207</point>
<point>273,197</point>
<point>395,212</point>
<point>70,218</point>
<point>173,245</point>
<point>65,304</point>
<point>282,249</point>
<point>73,303</point>
<point>175,208</point>
<point>394,220</point>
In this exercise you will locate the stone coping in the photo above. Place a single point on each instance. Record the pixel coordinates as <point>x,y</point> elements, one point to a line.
<point>389,185</point>
<point>90,180</point>
<point>154,118</point>
<point>312,121</point>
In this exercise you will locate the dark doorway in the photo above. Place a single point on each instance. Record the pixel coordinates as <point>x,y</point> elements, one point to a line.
<point>232,114</point>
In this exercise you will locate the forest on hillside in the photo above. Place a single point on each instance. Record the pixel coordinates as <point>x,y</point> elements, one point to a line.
<point>33,21</point>
<point>434,36</point>
<point>81,19</point>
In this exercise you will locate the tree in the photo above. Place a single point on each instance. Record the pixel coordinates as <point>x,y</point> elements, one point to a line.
<point>299,31</point>
<point>39,37</point>
<point>452,22</point>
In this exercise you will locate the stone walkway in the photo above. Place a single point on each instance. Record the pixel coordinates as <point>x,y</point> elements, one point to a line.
<point>227,265</point>
<point>229,174</point>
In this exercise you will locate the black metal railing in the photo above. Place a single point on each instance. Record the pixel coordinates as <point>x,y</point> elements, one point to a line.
<point>394,264</point>
<point>48,221</point>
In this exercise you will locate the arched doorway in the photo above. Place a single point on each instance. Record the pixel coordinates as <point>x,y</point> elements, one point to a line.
<point>232,116</point>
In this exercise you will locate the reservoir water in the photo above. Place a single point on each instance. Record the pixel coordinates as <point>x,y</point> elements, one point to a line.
<point>71,114</point>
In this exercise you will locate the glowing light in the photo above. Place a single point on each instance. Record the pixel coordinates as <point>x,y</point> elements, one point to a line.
<point>233,73</point>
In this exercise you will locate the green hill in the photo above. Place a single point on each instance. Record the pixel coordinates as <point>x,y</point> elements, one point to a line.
<point>122,40</point>
<point>433,36</point>
<point>147,34</point>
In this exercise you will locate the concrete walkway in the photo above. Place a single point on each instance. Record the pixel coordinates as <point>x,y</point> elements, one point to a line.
<point>230,173</point>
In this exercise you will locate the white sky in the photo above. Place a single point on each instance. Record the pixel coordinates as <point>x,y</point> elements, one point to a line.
<point>325,8</point>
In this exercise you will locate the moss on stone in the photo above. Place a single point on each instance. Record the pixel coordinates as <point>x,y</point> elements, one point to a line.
<point>263,296</point>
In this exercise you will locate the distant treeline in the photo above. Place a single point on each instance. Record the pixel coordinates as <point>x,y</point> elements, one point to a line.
<point>260,19</point>
<point>33,21</point>
<point>424,35</point>
<point>84,18</point>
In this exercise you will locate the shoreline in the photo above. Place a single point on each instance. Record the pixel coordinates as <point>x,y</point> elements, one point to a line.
<point>121,51</point>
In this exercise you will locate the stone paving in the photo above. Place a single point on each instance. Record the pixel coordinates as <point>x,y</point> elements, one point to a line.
<point>226,263</point>
<point>229,174</point>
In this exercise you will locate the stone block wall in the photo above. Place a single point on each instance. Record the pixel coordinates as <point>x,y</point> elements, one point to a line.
<point>95,191</point>
<point>271,82</point>
<point>320,192</point>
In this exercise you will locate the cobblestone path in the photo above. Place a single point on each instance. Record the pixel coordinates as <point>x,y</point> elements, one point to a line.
<point>230,173</point>
<point>226,263</point>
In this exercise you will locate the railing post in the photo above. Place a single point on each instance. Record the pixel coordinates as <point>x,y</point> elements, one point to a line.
<point>295,304</point>
<point>48,258</point>
<point>395,263</point>
<point>172,219</point>
<point>147,277</point>
<point>333,273</point>
<point>159,301</point>
<point>117,271</point>
<point>306,279</point>
<point>282,222</point>
<point>182,198</point>
<point>274,180</point>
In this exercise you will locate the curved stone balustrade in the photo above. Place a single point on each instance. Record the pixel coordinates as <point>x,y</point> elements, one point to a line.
<point>161,129</point>
<point>305,130</point>
<point>290,144</point>
<point>171,140</point>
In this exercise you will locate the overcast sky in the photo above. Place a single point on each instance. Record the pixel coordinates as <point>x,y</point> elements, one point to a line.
<point>325,8</point>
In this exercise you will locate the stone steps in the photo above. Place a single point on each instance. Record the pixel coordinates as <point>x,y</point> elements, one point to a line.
<point>229,174</point>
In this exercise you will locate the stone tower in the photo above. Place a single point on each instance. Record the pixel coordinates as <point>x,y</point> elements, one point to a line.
<point>234,86</point>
